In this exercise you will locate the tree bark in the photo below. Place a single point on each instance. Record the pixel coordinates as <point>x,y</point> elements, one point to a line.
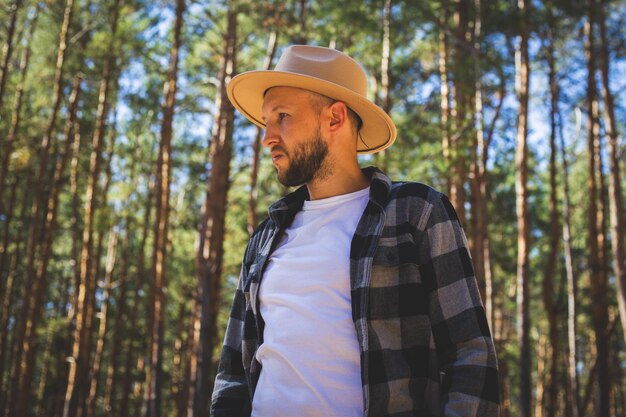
<point>7,302</point>
<point>616,201</point>
<point>385,103</point>
<point>555,227</point>
<point>461,111</point>
<point>79,365</point>
<point>191,368</point>
<point>209,257</point>
<point>595,237</point>
<point>523,227</point>
<point>573,399</point>
<point>106,291</point>
<point>164,168</point>
<point>445,94</point>
<point>253,219</point>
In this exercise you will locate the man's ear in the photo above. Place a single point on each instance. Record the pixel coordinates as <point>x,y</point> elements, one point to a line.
<point>338,116</point>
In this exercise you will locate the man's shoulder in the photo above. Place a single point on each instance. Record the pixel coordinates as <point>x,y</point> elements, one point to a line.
<point>414,192</point>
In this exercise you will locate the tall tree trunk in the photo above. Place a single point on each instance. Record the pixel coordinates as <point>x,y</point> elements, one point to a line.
<point>73,280</point>
<point>541,376</point>
<point>181,345</point>
<point>461,111</point>
<point>6,303</point>
<point>12,342</point>
<point>445,93</point>
<point>573,399</point>
<point>253,220</point>
<point>210,248</point>
<point>79,365</point>
<point>384,99</point>
<point>481,251</point>
<point>301,36</point>
<point>616,201</point>
<point>8,282</point>
<point>595,224</point>
<point>113,369</point>
<point>549,296</point>
<point>7,49</point>
<point>164,168</point>
<point>523,226</point>
<point>191,367</point>
<point>106,291</point>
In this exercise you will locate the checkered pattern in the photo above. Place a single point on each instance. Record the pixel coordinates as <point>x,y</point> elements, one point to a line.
<point>425,345</point>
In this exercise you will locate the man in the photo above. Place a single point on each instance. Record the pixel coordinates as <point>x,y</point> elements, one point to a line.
<point>357,295</point>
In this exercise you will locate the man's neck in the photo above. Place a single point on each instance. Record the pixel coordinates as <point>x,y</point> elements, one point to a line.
<point>343,180</point>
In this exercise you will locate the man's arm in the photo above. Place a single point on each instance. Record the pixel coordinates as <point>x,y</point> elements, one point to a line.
<point>231,396</point>
<point>467,359</point>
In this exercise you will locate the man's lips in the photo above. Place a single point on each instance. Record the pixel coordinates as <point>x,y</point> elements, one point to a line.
<point>277,153</point>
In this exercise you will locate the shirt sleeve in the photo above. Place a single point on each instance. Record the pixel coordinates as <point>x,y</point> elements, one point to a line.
<point>231,395</point>
<point>467,359</point>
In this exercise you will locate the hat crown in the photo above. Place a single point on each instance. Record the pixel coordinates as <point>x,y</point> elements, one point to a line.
<point>325,64</point>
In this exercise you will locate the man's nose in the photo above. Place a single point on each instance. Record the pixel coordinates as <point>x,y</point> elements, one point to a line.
<point>270,136</point>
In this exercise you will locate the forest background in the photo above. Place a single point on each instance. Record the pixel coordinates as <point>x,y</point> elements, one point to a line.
<point>129,186</point>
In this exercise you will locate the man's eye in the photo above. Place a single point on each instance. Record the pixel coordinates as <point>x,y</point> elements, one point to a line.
<point>281,116</point>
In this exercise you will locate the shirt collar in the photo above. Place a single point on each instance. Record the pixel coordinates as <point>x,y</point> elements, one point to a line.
<point>283,211</point>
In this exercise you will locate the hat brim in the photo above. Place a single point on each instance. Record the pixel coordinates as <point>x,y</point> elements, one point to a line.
<point>246,92</point>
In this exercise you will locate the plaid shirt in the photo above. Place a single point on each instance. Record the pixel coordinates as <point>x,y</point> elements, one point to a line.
<point>425,345</point>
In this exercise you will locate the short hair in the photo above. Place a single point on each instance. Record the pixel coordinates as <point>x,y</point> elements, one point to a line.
<point>319,101</point>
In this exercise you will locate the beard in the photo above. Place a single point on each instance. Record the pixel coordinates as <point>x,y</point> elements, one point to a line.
<point>307,162</point>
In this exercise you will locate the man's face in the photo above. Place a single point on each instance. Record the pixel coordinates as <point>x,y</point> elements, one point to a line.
<point>297,146</point>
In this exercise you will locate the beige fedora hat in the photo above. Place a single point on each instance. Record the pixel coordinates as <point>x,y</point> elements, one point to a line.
<point>321,70</point>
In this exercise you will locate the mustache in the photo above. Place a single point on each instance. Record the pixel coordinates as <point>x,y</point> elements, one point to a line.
<point>278,148</point>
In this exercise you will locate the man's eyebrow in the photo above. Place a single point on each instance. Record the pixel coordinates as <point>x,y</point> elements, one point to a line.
<point>273,110</point>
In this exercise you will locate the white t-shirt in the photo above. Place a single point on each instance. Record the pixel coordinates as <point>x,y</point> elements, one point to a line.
<point>310,353</point>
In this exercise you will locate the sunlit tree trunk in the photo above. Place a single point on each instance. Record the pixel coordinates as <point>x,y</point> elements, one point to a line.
<point>461,109</point>
<point>79,365</point>
<point>210,252</point>
<point>113,369</point>
<point>616,201</point>
<point>549,278</point>
<point>154,374</point>
<point>573,400</point>
<point>384,99</point>
<point>253,219</point>
<point>102,329</point>
<point>12,343</point>
<point>598,277</point>
<point>191,366</point>
<point>444,92</point>
<point>541,376</point>
<point>523,227</point>
<point>301,36</point>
